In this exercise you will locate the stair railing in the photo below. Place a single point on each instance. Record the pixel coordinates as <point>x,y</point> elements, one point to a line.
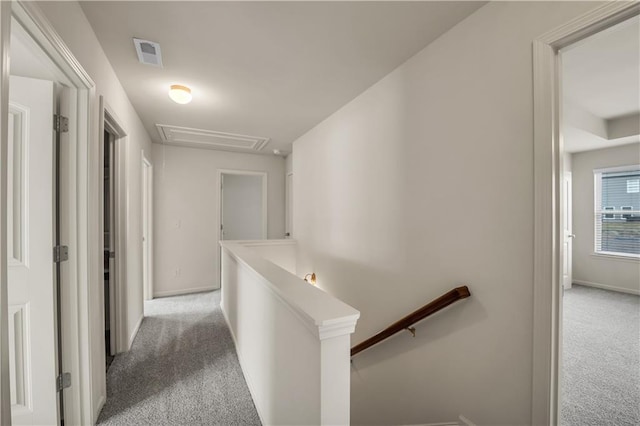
<point>407,322</point>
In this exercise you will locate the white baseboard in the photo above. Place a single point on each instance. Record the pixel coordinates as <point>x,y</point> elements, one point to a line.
<point>135,332</point>
<point>96,413</point>
<point>608,287</point>
<point>247,379</point>
<point>184,291</point>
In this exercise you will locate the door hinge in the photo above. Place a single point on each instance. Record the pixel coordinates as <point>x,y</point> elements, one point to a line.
<point>60,123</point>
<point>60,254</point>
<point>63,381</point>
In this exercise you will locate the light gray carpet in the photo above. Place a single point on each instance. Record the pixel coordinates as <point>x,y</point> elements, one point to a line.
<point>601,357</point>
<point>182,369</point>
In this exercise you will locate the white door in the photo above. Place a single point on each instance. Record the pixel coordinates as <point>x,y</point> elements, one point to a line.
<point>32,330</point>
<point>567,248</point>
<point>242,207</point>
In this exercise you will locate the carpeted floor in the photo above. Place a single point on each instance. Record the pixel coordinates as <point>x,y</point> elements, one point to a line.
<point>182,369</point>
<point>601,358</point>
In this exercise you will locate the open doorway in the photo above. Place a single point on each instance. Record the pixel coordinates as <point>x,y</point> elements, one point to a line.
<point>109,254</point>
<point>600,218</point>
<point>243,205</point>
<point>112,245</point>
<point>147,228</point>
<point>550,231</point>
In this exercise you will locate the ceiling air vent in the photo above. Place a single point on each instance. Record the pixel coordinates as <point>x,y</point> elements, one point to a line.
<point>148,52</point>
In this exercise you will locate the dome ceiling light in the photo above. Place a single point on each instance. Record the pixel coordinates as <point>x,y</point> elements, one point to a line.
<point>180,94</point>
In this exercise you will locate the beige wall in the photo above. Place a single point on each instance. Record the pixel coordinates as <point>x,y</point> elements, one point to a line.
<point>69,21</point>
<point>602,271</point>
<point>422,183</point>
<point>187,213</point>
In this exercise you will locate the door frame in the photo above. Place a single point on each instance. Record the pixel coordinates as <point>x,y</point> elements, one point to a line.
<point>264,196</point>
<point>288,205</point>
<point>109,121</point>
<point>566,223</point>
<point>75,206</point>
<point>147,222</point>
<point>547,289</point>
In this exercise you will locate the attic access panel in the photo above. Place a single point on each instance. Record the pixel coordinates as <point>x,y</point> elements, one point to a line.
<point>210,139</point>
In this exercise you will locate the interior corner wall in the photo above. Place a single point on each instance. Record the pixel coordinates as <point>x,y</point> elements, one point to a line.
<point>71,24</point>
<point>187,213</point>
<point>423,183</point>
<point>607,272</point>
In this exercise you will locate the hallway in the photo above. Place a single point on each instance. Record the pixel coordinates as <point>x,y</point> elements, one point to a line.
<point>182,369</point>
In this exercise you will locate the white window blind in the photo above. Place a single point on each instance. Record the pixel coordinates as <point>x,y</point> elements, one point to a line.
<point>617,212</point>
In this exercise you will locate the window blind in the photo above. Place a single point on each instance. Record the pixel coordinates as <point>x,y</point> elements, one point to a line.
<point>617,212</point>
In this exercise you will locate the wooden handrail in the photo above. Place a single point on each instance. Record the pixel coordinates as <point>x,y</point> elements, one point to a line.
<point>406,322</point>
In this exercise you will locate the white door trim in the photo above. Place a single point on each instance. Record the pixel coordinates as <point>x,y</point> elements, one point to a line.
<point>5,37</point>
<point>547,179</point>
<point>79,225</point>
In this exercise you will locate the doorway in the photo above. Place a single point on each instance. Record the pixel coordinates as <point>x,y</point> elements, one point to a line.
<point>147,228</point>
<point>600,215</point>
<point>288,230</point>
<point>112,244</point>
<point>243,205</point>
<point>109,254</point>
<point>551,229</point>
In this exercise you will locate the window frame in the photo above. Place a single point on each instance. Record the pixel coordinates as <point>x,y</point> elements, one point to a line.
<point>604,210</point>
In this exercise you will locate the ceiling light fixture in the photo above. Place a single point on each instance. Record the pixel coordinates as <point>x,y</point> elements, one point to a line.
<point>180,94</point>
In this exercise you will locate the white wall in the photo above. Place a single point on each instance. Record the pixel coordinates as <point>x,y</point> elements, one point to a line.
<point>590,269</point>
<point>187,213</point>
<point>242,207</point>
<point>422,183</point>
<point>71,24</point>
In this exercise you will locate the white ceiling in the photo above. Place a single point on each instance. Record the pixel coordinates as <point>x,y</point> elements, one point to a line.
<point>601,84</point>
<point>266,69</point>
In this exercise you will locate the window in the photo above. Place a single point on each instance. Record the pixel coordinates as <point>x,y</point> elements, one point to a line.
<point>617,211</point>
<point>609,215</point>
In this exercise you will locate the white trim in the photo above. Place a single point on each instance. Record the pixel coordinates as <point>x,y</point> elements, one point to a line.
<point>615,256</point>
<point>257,243</point>
<point>5,37</point>
<point>608,287</point>
<point>191,290</point>
<point>618,169</point>
<point>135,332</point>
<point>101,402</point>
<point>547,232</point>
